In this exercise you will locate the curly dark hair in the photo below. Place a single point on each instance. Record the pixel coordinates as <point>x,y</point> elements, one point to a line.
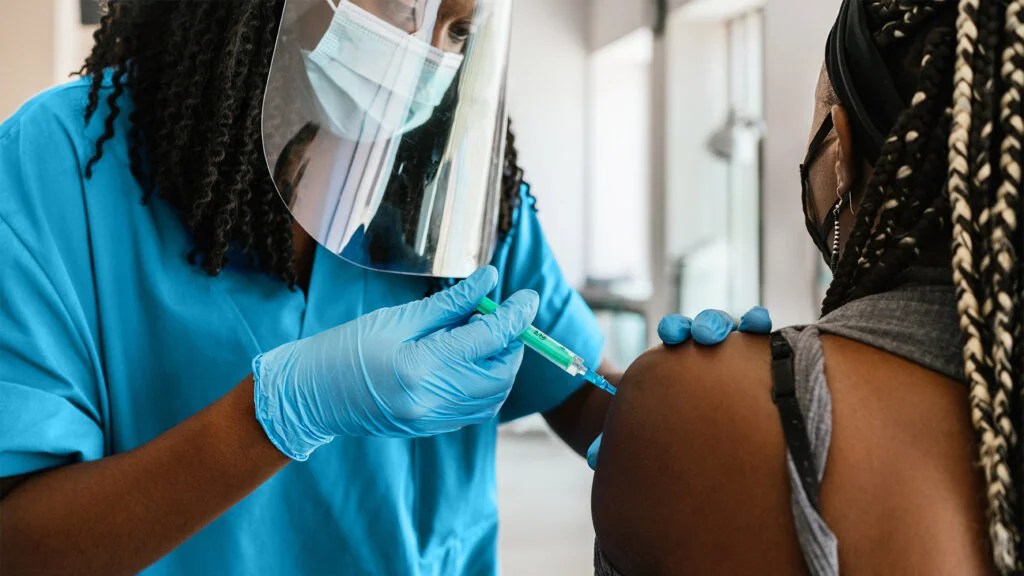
<point>196,73</point>
<point>948,181</point>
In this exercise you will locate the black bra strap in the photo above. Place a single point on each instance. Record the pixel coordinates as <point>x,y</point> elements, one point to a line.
<point>793,425</point>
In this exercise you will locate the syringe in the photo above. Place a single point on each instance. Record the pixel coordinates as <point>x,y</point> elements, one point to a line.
<point>557,354</point>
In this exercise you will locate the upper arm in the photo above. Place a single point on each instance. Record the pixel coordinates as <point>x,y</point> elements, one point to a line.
<point>50,381</point>
<point>10,483</point>
<point>692,475</point>
<point>527,262</point>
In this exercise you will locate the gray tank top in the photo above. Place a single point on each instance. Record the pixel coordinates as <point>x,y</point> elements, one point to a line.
<point>917,321</point>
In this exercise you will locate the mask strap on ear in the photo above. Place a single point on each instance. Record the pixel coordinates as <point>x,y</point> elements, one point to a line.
<point>334,4</point>
<point>819,137</point>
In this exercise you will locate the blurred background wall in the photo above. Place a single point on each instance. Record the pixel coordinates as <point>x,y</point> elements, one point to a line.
<point>665,167</point>
<point>41,43</point>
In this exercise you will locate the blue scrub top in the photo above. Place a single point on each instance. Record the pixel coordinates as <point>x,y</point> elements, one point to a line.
<point>108,337</point>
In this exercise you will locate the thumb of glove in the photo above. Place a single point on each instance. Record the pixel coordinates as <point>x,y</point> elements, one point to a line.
<point>593,451</point>
<point>453,305</point>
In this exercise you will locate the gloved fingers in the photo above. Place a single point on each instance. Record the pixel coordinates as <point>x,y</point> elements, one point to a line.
<point>484,380</point>
<point>473,405</point>
<point>756,321</point>
<point>712,327</point>
<point>488,407</point>
<point>593,451</point>
<point>674,329</point>
<point>467,413</point>
<point>506,361</point>
<point>502,368</point>
<point>482,416</point>
<point>456,303</point>
<point>495,332</point>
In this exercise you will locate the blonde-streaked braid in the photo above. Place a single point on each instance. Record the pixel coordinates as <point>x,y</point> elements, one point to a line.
<point>1003,315</point>
<point>951,171</point>
<point>968,197</point>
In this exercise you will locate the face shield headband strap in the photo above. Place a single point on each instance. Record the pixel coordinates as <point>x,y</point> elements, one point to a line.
<point>861,79</point>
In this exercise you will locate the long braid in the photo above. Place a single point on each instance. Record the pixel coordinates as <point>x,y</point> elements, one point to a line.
<point>118,79</point>
<point>904,204</point>
<point>952,165</point>
<point>512,180</point>
<point>856,258</point>
<point>1008,208</point>
<point>1004,319</point>
<point>996,300</point>
<point>967,243</point>
<point>96,60</point>
<point>906,219</point>
<point>981,146</point>
<point>223,209</point>
<point>182,100</point>
<point>245,179</point>
<point>932,220</point>
<point>850,263</point>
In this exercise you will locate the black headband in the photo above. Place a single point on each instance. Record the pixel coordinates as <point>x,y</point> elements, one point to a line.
<point>861,79</point>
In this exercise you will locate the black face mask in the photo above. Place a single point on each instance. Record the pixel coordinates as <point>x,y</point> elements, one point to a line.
<point>863,85</point>
<point>819,232</point>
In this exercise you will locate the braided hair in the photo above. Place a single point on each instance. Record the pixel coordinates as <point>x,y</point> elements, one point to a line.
<point>196,74</point>
<point>949,178</point>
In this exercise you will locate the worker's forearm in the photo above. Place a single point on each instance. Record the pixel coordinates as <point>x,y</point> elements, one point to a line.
<point>580,419</point>
<point>120,514</point>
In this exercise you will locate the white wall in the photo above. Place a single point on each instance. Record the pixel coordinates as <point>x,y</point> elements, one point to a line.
<point>543,488</point>
<point>547,86</point>
<point>795,33</point>
<point>73,42</point>
<point>610,20</point>
<point>26,54</point>
<point>699,104</point>
<point>41,43</point>
<point>618,181</point>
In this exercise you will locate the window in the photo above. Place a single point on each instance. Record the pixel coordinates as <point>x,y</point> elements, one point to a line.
<point>715,110</point>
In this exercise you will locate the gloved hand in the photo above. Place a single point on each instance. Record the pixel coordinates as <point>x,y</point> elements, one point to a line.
<point>409,371</point>
<point>709,328</point>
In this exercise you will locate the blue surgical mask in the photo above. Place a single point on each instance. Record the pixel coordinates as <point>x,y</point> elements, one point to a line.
<point>375,81</point>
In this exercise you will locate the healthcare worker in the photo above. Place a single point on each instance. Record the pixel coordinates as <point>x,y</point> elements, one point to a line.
<point>214,252</point>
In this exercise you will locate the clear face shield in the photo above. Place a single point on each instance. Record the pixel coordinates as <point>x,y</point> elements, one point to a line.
<point>384,125</point>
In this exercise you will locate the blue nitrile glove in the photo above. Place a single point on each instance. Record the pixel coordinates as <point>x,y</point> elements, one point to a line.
<point>710,327</point>
<point>415,370</point>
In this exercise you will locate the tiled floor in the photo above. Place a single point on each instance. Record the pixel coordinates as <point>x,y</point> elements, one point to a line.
<point>544,499</point>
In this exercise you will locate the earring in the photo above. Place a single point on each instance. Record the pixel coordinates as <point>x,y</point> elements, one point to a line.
<point>836,211</point>
<point>834,263</point>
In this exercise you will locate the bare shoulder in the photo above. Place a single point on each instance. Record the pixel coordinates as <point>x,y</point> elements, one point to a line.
<point>692,474</point>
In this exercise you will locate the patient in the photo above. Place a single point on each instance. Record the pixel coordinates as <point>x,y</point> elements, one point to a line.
<point>899,450</point>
